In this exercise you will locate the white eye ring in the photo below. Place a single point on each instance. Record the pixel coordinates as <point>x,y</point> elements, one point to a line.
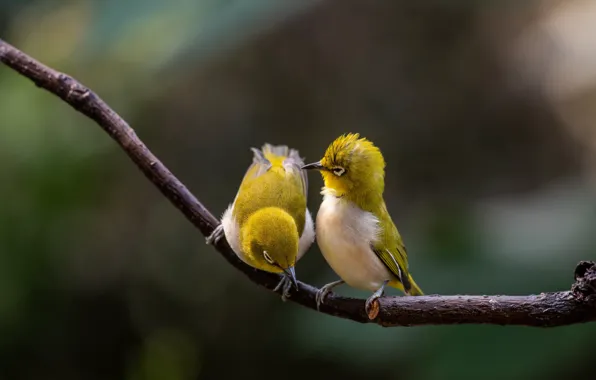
<point>267,257</point>
<point>338,171</point>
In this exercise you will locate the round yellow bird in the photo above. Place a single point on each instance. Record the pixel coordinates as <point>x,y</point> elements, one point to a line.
<point>354,229</point>
<point>268,225</point>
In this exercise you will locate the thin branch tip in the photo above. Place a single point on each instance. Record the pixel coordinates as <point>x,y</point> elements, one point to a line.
<point>544,310</point>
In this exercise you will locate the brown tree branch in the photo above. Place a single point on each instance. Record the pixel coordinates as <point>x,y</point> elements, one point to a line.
<point>544,310</point>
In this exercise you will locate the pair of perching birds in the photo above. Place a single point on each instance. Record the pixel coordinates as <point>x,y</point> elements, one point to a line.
<point>269,227</point>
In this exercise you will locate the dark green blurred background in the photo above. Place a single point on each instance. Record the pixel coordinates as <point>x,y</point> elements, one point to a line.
<point>485,113</point>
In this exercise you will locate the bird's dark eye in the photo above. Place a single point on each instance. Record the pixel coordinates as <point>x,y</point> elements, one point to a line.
<point>268,258</point>
<point>338,171</point>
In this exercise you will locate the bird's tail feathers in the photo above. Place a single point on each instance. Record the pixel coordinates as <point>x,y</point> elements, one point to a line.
<point>275,150</point>
<point>414,289</point>
<point>278,153</point>
<point>279,156</point>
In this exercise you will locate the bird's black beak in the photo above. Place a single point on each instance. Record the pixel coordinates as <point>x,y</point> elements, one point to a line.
<point>315,165</point>
<point>291,274</point>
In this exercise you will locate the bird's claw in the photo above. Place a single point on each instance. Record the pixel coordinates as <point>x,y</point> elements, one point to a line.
<point>371,306</point>
<point>321,294</point>
<point>285,284</point>
<point>324,291</point>
<point>216,235</point>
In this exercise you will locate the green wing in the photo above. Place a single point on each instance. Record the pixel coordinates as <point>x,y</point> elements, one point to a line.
<point>274,178</point>
<point>295,163</point>
<point>391,249</point>
<point>261,164</point>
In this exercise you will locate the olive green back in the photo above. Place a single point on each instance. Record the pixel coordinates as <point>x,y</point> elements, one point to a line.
<point>273,180</point>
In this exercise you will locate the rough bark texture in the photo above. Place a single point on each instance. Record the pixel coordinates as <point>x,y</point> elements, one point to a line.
<point>543,310</point>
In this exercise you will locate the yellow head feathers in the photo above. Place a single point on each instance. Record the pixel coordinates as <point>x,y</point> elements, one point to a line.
<point>352,166</point>
<point>270,239</point>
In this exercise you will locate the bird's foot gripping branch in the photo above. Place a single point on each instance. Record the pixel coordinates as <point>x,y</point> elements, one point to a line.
<point>543,310</point>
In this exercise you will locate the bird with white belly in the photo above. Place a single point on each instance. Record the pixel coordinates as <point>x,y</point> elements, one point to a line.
<point>268,225</point>
<point>354,229</point>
